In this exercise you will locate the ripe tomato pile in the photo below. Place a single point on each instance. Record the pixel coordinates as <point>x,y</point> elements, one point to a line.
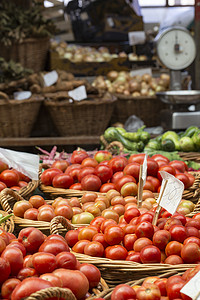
<point>104,172</point>
<point>33,261</point>
<point>174,240</point>
<point>11,178</point>
<point>155,288</point>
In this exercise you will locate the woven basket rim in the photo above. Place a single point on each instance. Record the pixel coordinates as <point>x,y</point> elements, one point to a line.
<point>125,97</point>
<point>27,40</point>
<point>33,98</point>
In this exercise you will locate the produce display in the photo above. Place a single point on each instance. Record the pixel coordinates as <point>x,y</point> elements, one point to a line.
<point>155,288</point>
<point>32,261</point>
<point>77,53</point>
<point>123,82</point>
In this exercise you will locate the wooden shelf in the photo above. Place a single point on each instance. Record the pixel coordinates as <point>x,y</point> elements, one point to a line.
<point>49,141</point>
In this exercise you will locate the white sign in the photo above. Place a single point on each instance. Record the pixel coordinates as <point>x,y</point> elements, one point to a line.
<point>141,72</point>
<point>50,78</point>
<point>144,169</point>
<point>79,93</point>
<point>26,163</point>
<point>136,37</point>
<point>192,287</point>
<point>22,95</point>
<point>172,195</point>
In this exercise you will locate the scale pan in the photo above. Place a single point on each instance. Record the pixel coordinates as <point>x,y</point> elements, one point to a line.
<point>180,97</point>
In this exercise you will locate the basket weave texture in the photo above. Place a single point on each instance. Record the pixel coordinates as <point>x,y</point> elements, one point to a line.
<point>31,53</point>
<point>146,108</point>
<point>17,117</point>
<point>52,292</point>
<point>86,117</point>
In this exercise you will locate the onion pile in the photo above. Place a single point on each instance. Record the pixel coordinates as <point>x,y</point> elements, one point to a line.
<point>123,83</point>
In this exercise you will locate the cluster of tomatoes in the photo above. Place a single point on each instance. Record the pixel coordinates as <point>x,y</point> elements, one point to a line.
<point>104,172</point>
<point>173,240</point>
<point>155,288</point>
<point>33,262</point>
<point>11,178</point>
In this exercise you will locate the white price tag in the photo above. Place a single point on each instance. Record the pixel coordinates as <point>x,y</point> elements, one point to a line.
<point>136,37</point>
<point>172,195</point>
<point>22,95</point>
<point>50,78</point>
<point>26,163</point>
<point>79,93</point>
<point>141,72</point>
<point>192,287</point>
<point>144,169</point>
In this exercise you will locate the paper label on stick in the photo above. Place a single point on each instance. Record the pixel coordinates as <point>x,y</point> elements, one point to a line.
<point>23,95</point>
<point>26,163</point>
<point>172,194</point>
<point>192,287</point>
<point>136,37</point>
<point>144,169</point>
<point>79,93</point>
<point>50,78</point>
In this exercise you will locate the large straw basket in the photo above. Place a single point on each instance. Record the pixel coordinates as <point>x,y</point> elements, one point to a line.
<point>8,225</point>
<point>17,116</point>
<point>31,53</point>
<point>86,117</point>
<point>58,292</point>
<point>116,272</point>
<point>146,108</point>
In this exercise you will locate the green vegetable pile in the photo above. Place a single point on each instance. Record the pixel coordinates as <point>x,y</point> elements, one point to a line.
<point>16,23</point>
<point>132,141</point>
<point>12,71</point>
<point>186,141</point>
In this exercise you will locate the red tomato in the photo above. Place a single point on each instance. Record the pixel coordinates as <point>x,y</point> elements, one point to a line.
<point>129,189</point>
<point>53,246</point>
<point>131,213</point>
<point>76,186</point>
<point>91,183</point>
<point>113,235</point>
<point>4,270</point>
<point>89,162</point>
<point>74,280</point>
<point>192,239</point>
<point>103,172</point>
<point>168,169</point>
<point>161,238</point>
<point>155,181</point>
<point>149,186</point>
<point>2,186</point>
<point>92,273</point>
<point>3,166</point>
<point>123,292</point>
<point>141,243</point>
<point>31,238</point>
<point>84,172</point>
<point>66,260</point>
<point>178,164</point>
<point>147,292</point>
<point>144,229</point>
<point>173,291</point>
<point>174,260</point>
<point>150,254</point>
<point>62,181</point>
<point>117,176</point>
<point>134,257</point>
<point>15,258</point>
<point>173,248</point>
<point>64,210</point>
<point>157,157</point>
<point>60,164</point>
<point>132,169</point>
<point>161,283</point>
<point>9,177</point>
<point>116,252</point>
<point>107,187</point>
<point>8,286</point>
<point>37,201</point>
<point>26,272</point>
<point>152,167</point>
<point>191,178</point>
<point>44,262</point>
<point>79,246</point>
<point>120,182</point>
<point>94,249</point>
<point>129,240</point>
<point>184,178</point>
<point>78,156</point>
<point>138,158</point>
<point>171,222</point>
<point>190,253</point>
<point>73,171</point>
<point>18,245</point>
<point>178,233</point>
<point>31,214</point>
<point>118,163</point>
<point>48,175</point>
<point>87,233</point>
<point>29,286</point>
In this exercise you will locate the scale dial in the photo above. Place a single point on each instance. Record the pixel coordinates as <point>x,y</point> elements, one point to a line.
<point>176,48</point>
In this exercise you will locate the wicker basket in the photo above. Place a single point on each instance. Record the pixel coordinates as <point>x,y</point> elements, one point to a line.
<point>51,292</point>
<point>116,272</point>
<point>17,117</point>
<point>9,224</point>
<point>87,117</point>
<point>31,53</point>
<point>146,108</point>
<point>194,156</point>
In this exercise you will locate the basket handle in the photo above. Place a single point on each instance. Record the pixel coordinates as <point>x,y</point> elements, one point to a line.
<point>4,198</point>
<point>54,228</point>
<point>51,292</point>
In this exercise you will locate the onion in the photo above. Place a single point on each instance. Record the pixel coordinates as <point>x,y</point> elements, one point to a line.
<point>146,77</point>
<point>134,86</point>
<point>136,94</point>
<point>132,57</point>
<point>144,92</point>
<point>112,75</point>
<point>142,57</point>
<point>126,92</point>
<point>165,76</point>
